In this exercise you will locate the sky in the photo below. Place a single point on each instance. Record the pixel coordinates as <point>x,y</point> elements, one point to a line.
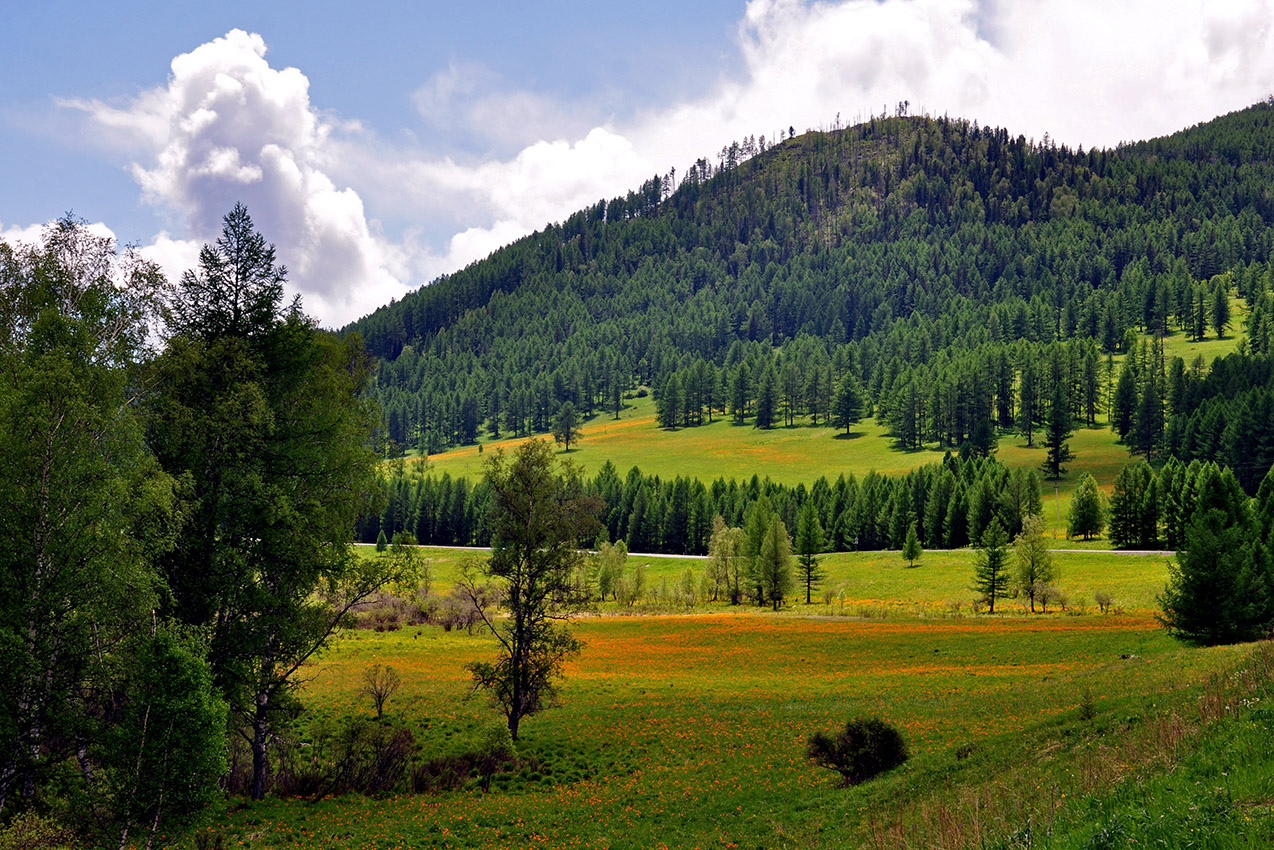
<point>381,144</point>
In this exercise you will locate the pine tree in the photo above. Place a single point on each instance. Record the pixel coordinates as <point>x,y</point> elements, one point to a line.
<point>847,406</point>
<point>766,392</point>
<point>1220,308</point>
<point>991,575</point>
<point>774,563</point>
<point>1087,513</point>
<point>1057,431</point>
<point>911,550</point>
<point>810,541</point>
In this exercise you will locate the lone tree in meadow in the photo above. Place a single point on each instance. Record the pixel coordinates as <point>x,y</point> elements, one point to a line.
<point>911,549</point>
<point>991,577</point>
<point>538,516</point>
<point>566,424</point>
<point>810,541</point>
<point>847,403</point>
<point>380,682</point>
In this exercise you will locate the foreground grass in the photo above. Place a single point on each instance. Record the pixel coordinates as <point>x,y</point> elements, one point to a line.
<point>689,731</point>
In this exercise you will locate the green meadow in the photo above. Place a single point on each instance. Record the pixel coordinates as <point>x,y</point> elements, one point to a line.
<point>688,729</point>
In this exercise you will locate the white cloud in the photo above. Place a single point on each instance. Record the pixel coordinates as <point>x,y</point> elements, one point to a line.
<point>229,127</point>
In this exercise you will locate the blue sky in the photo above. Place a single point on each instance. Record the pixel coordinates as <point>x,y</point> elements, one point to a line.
<point>381,144</point>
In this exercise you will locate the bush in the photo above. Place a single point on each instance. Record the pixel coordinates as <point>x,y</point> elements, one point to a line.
<point>29,831</point>
<point>865,748</point>
<point>355,756</point>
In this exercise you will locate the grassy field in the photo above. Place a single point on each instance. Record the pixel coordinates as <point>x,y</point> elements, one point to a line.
<point>868,583</point>
<point>688,730</point>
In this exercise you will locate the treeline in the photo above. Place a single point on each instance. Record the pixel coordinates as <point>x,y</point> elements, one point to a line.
<point>1152,509</point>
<point>886,249</point>
<point>1223,413</point>
<point>950,503</point>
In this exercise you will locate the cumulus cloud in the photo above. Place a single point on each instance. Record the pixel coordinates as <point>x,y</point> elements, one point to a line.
<point>228,126</point>
<point>1085,71</point>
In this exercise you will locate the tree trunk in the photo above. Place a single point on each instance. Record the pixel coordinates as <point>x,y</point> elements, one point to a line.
<point>259,730</point>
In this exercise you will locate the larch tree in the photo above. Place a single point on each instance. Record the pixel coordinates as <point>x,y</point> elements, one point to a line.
<point>265,417</point>
<point>566,428</point>
<point>1035,569</point>
<point>1087,515</point>
<point>810,541</point>
<point>991,573</point>
<point>538,516</point>
<point>774,563</point>
<point>911,549</point>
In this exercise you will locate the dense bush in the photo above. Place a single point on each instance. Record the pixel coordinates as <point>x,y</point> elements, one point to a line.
<point>865,748</point>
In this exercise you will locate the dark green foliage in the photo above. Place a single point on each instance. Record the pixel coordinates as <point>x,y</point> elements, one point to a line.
<point>1058,430</point>
<point>84,510</point>
<point>1225,414</point>
<point>1221,587</point>
<point>864,749</point>
<point>1123,406</point>
<point>847,405</point>
<point>266,419</point>
<point>164,743</point>
<point>1134,508</point>
<point>810,542</point>
<point>675,515</point>
<point>991,574</point>
<point>773,565</point>
<point>1221,307</point>
<point>566,428</point>
<point>1087,515</point>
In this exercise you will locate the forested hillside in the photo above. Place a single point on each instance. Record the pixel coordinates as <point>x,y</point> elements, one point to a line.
<point>959,282</point>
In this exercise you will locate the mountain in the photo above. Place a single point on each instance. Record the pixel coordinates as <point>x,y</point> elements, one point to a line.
<point>958,274</point>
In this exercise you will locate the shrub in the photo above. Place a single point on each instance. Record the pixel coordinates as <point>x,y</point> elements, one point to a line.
<point>355,756</point>
<point>865,748</point>
<point>28,831</point>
